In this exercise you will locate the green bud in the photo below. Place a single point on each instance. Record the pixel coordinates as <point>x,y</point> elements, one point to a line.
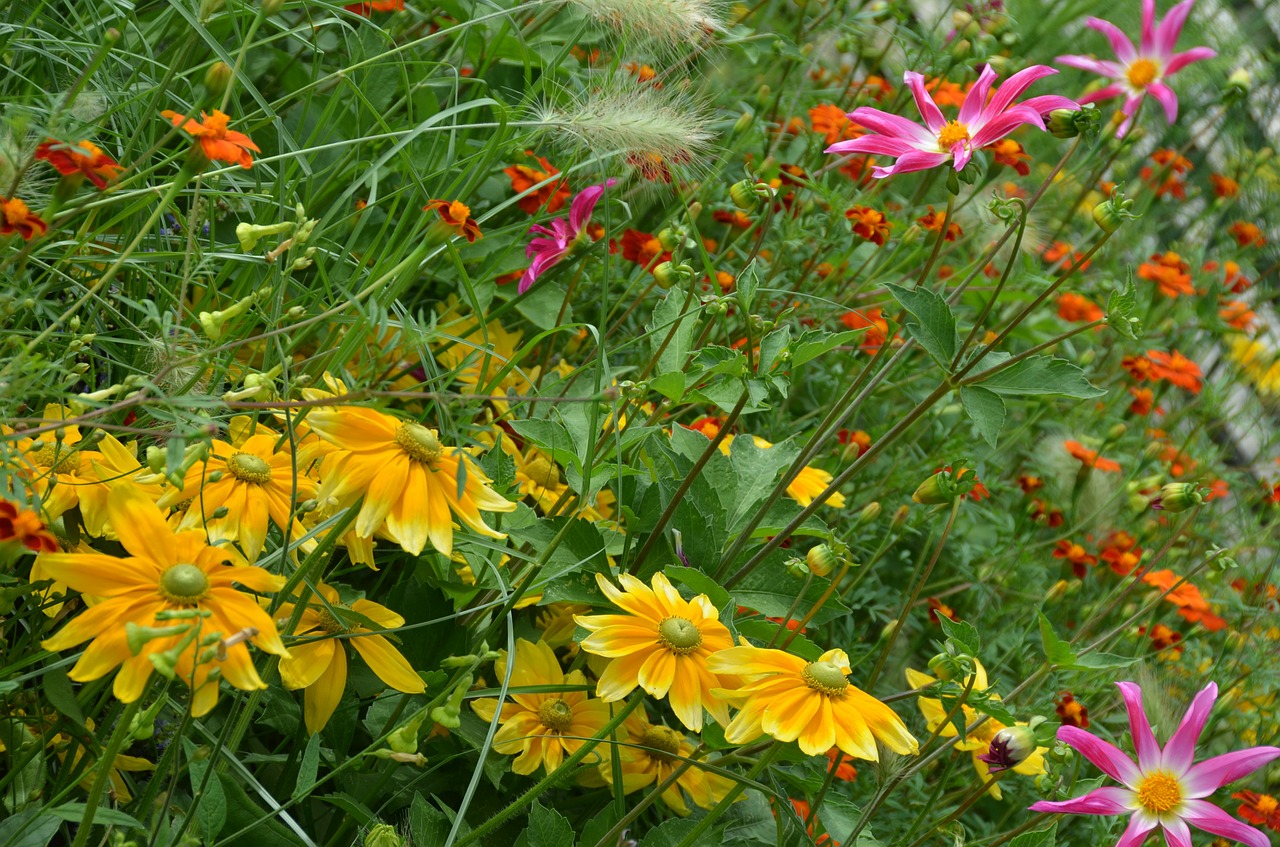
<point>821,560</point>
<point>217,78</point>
<point>797,568</point>
<point>1178,497</point>
<point>1109,214</point>
<point>749,195</point>
<point>383,835</point>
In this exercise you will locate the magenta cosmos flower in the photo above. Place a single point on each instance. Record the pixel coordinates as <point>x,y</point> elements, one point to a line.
<point>562,237</point>
<point>984,119</point>
<point>1164,789</point>
<point>1142,70</point>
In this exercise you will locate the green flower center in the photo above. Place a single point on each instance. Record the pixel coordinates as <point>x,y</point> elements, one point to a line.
<point>329,623</point>
<point>184,585</point>
<point>664,743</point>
<point>247,467</point>
<point>826,677</point>
<point>679,635</point>
<point>419,442</point>
<point>555,715</point>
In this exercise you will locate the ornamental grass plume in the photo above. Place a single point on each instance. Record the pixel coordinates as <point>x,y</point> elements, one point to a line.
<point>671,23</point>
<point>1165,789</point>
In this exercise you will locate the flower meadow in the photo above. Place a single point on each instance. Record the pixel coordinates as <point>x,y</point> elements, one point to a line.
<point>639,423</point>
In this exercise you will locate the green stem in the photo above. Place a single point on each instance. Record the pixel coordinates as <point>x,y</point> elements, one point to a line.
<point>723,805</point>
<point>105,765</point>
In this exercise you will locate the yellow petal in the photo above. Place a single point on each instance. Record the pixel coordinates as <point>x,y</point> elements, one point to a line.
<point>321,699</point>
<point>307,663</point>
<point>387,662</point>
<point>140,526</point>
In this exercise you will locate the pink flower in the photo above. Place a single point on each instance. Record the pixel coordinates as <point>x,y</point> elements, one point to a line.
<point>563,236</point>
<point>982,121</point>
<point>1164,789</point>
<point>1144,70</point>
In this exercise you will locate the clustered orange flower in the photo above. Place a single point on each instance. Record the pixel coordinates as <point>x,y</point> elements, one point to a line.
<point>1090,458</point>
<point>552,196</point>
<point>1008,152</point>
<point>1259,809</point>
<point>1157,365</point>
<point>735,218</point>
<point>219,143</point>
<point>1071,712</point>
<point>16,217</point>
<point>1237,313</point>
<point>937,222</point>
<point>1170,172</point>
<point>456,216</point>
<point>1169,272</point>
<point>25,527</point>
<point>1233,280</point>
<point>1078,309</point>
<point>1247,234</point>
<point>1143,400</point>
<point>947,93</point>
<point>869,224</point>
<point>1164,640</point>
<point>1075,555</point>
<point>1060,250</point>
<point>1121,553</point>
<point>1224,186</point>
<point>856,442</point>
<point>82,159</point>
<point>1190,602</point>
<point>833,123</point>
<point>643,73</point>
<point>874,322</point>
<point>644,249</point>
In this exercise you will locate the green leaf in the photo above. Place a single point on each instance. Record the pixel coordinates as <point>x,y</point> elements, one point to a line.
<point>552,437</point>
<point>1121,306</point>
<point>964,634</point>
<point>672,833</point>
<point>701,583</point>
<point>1039,375</point>
<point>771,593</point>
<point>756,470</point>
<point>101,817</point>
<point>427,824</point>
<point>931,322</point>
<point>1103,661</point>
<point>670,313</point>
<point>28,828</point>
<point>1057,651</point>
<point>308,768</point>
<point>548,828</point>
<point>1042,838</point>
<point>765,631</point>
<point>211,802</point>
<point>813,343</point>
<point>669,385</point>
<point>772,346</point>
<point>985,409</point>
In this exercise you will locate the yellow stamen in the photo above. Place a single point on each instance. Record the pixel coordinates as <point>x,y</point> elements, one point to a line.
<point>1142,72</point>
<point>951,134</point>
<point>555,715</point>
<point>1159,792</point>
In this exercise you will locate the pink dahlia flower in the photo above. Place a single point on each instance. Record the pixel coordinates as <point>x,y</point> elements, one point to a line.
<point>562,237</point>
<point>1164,789</point>
<point>984,119</point>
<point>1141,70</point>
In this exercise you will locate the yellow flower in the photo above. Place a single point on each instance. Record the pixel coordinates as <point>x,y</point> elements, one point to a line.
<point>51,463</point>
<point>320,665</point>
<point>409,480</point>
<point>655,752</point>
<point>537,474</point>
<point>165,573</point>
<point>662,644</point>
<point>111,464</point>
<point>483,358</point>
<point>556,620</point>
<point>62,744</point>
<point>978,740</point>
<point>810,702</point>
<point>809,483</point>
<point>249,485</point>
<point>541,728</point>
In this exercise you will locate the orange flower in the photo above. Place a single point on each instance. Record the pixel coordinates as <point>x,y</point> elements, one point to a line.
<point>1041,513</point>
<point>802,811</point>
<point>25,527</point>
<point>643,249</point>
<point>1076,556</point>
<point>877,88</point>
<point>1078,309</point>
<point>1060,250</point>
<point>869,224</point>
<point>1121,553</point>
<point>374,6</point>
<point>1172,167</point>
<point>1169,272</point>
<point>586,58</point>
<point>936,221</point>
<point>845,771</point>
<point>553,195</point>
<point>83,159</point>
<point>1070,712</point>
<point>1233,280</point>
<point>1030,483</point>
<point>1190,602</point>
<point>1237,314</point>
<point>946,93</point>
<point>1176,369</point>
<point>642,73</point>
<point>1259,809</point>
<point>874,322</point>
<point>856,442</point>
<point>1139,367</point>
<point>18,218</point>
<point>218,143</point>
<point>736,218</point>
<point>833,123</point>
<point>652,166</point>
<point>456,216</point>
<point>1163,639</point>
<point>1009,152</point>
<point>1224,186</point>
<point>1143,400</point>
<point>1247,234</point>
<point>938,608</point>
<point>1090,458</point>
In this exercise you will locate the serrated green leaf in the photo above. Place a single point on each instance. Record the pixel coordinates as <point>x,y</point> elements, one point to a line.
<point>673,324</point>
<point>986,409</point>
<point>548,828</point>
<point>771,347</point>
<point>1102,661</point>
<point>1042,838</point>
<point>931,324</point>
<point>700,583</point>
<point>813,343</point>
<point>427,824</point>
<point>1057,651</point>
<point>964,634</point>
<point>1120,308</point>
<point>1039,375</point>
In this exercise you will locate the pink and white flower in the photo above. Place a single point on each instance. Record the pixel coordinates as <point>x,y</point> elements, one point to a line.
<point>562,237</point>
<point>1165,788</point>
<point>984,119</point>
<point>1141,70</point>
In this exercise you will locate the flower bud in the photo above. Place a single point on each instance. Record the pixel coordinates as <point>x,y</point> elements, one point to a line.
<point>944,486</point>
<point>743,122</point>
<point>383,835</point>
<point>749,195</point>
<point>670,239</point>
<point>217,77</point>
<point>869,513</point>
<point>1009,748</point>
<point>1177,497</point>
<point>821,560</point>
<point>797,568</point>
<point>1109,214</point>
<point>1239,83</point>
<point>669,275</point>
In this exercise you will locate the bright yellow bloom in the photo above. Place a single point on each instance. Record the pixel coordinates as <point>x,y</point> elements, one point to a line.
<point>654,752</point>
<point>111,464</point>
<point>409,480</point>
<point>662,644</point>
<point>809,483</point>
<point>541,728</point>
<point>978,740</point>
<point>250,485</point>
<point>537,474</point>
<point>810,702</point>
<point>319,665</point>
<point>62,745</point>
<point>51,463</point>
<point>166,573</point>
<point>483,358</point>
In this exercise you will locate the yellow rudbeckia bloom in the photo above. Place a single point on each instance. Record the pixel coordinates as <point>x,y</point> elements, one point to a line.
<point>978,740</point>
<point>809,483</point>
<point>541,728</point>
<point>51,463</point>
<point>661,644</point>
<point>319,666</point>
<point>165,573</point>
<point>811,702</point>
<point>111,464</point>
<point>409,480</point>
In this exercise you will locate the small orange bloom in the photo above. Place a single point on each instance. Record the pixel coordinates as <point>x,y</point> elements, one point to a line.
<point>1190,602</point>
<point>802,811</point>
<point>1139,367</point>
<point>1237,313</point>
<point>937,607</point>
<point>642,73</point>
<point>1078,308</point>
<point>456,216</point>
<point>368,6</point>
<point>18,218</point>
<point>643,249</point>
<point>946,93</point>
<point>875,87</point>
<point>845,771</point>
<point>25,527</point>
<point>1259,809</point>
<point>735,218</point>
<point>936,221</point>
<point>83,159</point>
<point>874,322</point>
<point>553,195</point>
<point>218,143</point>
<point>1041,513</point>
<point>856,442</point>
<point>869,224</point>
<point>1009,152</point>
<point>1075,555</point>
<point>1169,272</point>
<point>1176,369</point>
<point>833,123</point>
<point>1233,280</point>
<point>1143,400</point>
<point>1224,186</point>
<point>1163,640</point>
<point>1090,458</point>
<point>1172,167</point>
<point>1060,250</point>
<point>1247,234</point>
<point>1071,712</point>
<point>1122,560</point>
<point>1030,483</point>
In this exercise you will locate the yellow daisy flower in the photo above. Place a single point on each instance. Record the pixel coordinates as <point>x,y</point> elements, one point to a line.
<point>809,483</point>
<point>239,490</point>
<point>111,464</point>
<point>978,740</point>
<point>537,474</point>
<point>656,751</point>
<point>409,480</point>
<point>166,572</point>
<point>541,728</point>
<point>319,665</point>
<point>662,644</point>
<point>51,463</point>
<point>121,764</point>
<point>810,702</point>
<point>477,356</point>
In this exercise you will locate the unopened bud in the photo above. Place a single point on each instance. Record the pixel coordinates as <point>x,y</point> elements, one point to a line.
<point>797,568</point>
<point>217,78</point>
<point>670,239</point>
<point>944,486</point>
<point>1239,83</point>
<point>1109,214</point>
<point>869,514</point>
<point>669,275</point>
<point>821,560</point>
<point>1009,748</point>
<point>1177,497</point>
<point>383,835</point>
<point>948,666</point>
<point>749,195</point>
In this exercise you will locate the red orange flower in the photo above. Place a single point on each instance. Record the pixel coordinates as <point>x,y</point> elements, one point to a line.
<point>25,527</point>
<point>1237,313</point>
<point>1247,234</point>
<point>1259,809</point>
<point>1171,169</point>
<point>457,217</point>
<point>368,6</point>
<point>1169,272</point>
<point>16,217</point>
<point>643,249</point>
<point>1143,400</point>
<point>1060,250</point>
<point>1090,458</point>
<point>553,195</point>
<point>1121,553</point>
<point>1008,152</point>
<point>1078,308</point>
<point>1176,369</point>
<point>1190,602</point>
<point>1224,186</point>
<point>874,322</point>
<point>832,122</point>
<point>937,222</point>
<point>83,159</point>
<point>1163,640</point>
<point>1075,555</point>
<point>869,224</point>
<point>1071,712</point>
<point>219,143</point>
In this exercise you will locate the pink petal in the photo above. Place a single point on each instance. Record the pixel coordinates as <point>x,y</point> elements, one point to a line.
<point>1171,27</point>
<point>1106,756</point>
<point>881,145</point>
<point>1167,98</point>
<point>1180,60</point>
<point>1006,123</point>
<point>916,160</point>
<point>961,153</point>
<point>1148,26</point>
<point>1092,65</point>
<point>1211,819</point>
<point>1211,774</point>
<point>1176,832</point>
<point>1120,42</point>
<point>1046,103</point>
<point>585,203</point>
<point>977,96</point>
<point>891,125</point>
<point>924,102</point>
<point>1180,752</point>
<point>1110,800</point>
<point>1144,740</point>
<point>1136,833</point>
<point>1013,87</point>
<point>1102,94</point>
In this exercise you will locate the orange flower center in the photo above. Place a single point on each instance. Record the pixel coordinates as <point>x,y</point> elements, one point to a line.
<point>543,472</point>
<point>247,467</point>
<point>951,134</point>
<point>556,715</point>
<point>663,743</point>
<point>216,124</point>
<point>184,585</point>
<point>1142,72</point>
<point>679,635</point>
<point>1159,792</point>
<point>1267,804</point>
<point>15,211</point>
<point>826,677</point>
<point>420,443</point>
